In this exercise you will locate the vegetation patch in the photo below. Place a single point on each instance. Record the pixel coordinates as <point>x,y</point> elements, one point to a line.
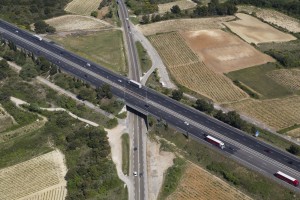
<point>145,61</point>
<point>125,153</point>
<point>105,48</point>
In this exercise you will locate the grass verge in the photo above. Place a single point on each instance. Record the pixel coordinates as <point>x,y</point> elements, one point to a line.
<point>145,61</point>
<point>125,153</point>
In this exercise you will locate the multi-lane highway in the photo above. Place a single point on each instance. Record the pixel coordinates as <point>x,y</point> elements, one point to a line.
<point>139,169</point>
<point>246,149</point>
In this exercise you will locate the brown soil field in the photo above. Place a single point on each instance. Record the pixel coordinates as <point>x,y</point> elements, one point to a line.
<point>198,184</point>
<point>76,22</point>
<point>222,51</point>
<point>183,5</point>
<point>255,31</point>
<point>295,133</point>
<point>184,25</point>
<point>289,78</point>
<point>83,7</point>
<point>276,113</point>
<point>189,71</point>
<point>273,17</point>
<point>36,177</point>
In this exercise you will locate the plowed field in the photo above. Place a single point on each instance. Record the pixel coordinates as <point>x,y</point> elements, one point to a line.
<point>198,184</point>
<point>191,72</point>
<point>82,7</point>
<point>255,31</point>
<point>224,52</point>
<point>33,178</point>
<point>277,113</point>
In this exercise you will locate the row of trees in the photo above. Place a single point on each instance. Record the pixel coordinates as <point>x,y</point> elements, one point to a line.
<point>288,58</point>
<point>212,9</point>
<point>43,27</point>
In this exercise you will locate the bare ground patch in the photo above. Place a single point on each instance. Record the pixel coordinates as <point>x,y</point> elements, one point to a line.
<point>289,78</point>
<point>276,113</point>
<point>295,133</point>
<point>255,31</point>
<point>183,5</point>
<point>82,7</point>
<point>199,184</point>
<point>184,25</point>
<point>222,51</point>
<point>35,177</point>
<point>76,22</point>
<point>273,17</point>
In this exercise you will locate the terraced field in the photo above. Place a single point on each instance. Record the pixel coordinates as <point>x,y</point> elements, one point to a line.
<point>289,78</point>
<point>199,184</point>
<point>191,72</point>
<point>82,7</point>
<point>33,177</point>
<point>277,113</point>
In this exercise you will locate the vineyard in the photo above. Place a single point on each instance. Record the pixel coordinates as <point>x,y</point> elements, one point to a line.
<point>289,78</point>
<point>184,25</point>
<point>41,173</point>
<point>82,7</point>
<point>75,22</point>
<point>190,72</point>
<point>199,184</point>
<point>255,31</point>
<point>277,113</point>
<point>273,17</point>
<point>183,5</point>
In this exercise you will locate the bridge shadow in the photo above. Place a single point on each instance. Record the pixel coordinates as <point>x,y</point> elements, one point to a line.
<point>138,113</point>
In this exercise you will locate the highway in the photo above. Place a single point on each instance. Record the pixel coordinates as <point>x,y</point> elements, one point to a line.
<point>247,149</point>
<point>138,146</point>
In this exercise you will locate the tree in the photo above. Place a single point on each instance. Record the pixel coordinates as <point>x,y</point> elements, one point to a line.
<point>177,95</point>
<point>94,14</point>
<point>294,149</point>
<point>40,26</point>
<point>175,9</point>
<point>104,92</point>
<point>28,72</point>
<point>204,106</point>
<point>145,19</point>
<point>85,94</point>
<point>4,64</point>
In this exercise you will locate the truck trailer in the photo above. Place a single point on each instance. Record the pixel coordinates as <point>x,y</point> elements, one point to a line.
<point>214,141</point>
<point>134,83</point>
<point>287,178</point>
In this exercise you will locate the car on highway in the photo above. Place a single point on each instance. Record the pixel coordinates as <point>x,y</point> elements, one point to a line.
<point>119,80</point>
<point>135,173</point>
<point>88,64</point>
<point>186,123</point>
<point>135,148</point>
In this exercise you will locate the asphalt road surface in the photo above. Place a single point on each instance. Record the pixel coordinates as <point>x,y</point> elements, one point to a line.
<point>246,149</point>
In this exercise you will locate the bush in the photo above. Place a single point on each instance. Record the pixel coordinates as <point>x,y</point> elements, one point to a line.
<point>112,123</point>
<point>294,149</point>
<point>94,14</point>
<point>177,95</point>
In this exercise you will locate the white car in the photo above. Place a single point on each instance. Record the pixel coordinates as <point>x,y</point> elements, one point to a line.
<point>88,64</point>
<point>127,18</point>
<point>120,80</point>
<point>135,173</point>
<point>186,123</point>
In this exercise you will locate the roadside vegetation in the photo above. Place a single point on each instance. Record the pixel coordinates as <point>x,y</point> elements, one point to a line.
<point>246,180</point>
<point>145,61</point>
<point>91,172</point>
<point>105,48</point>
<point>125,153</point>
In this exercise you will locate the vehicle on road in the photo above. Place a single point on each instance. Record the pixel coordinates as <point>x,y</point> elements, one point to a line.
<point>134,83</point>
<point>38,37</point>
<point>88,64</point>
<point>186,123</point>
<point>286,178</point>
<point>135,173</point>
<point>135,148</point>
<point>214,141</point>
<point>119,80</point>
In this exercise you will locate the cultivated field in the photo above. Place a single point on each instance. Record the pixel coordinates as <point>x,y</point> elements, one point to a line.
<point>277,113</point>
<point>223,51</point>
<point>41,176</point>
<point>183,5</point>
<point>289,78</point>
<point>184,25</point>
<point>76,22</point>
<point>273,17</point>
<point>82,7</point>
<point>255,31</point>
<point>198,184</point>
<point>191,72</point>
<point>5,120</point>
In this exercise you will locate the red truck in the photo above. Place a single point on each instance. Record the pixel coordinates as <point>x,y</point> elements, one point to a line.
<point>214,141</point>
<point>287,178</point>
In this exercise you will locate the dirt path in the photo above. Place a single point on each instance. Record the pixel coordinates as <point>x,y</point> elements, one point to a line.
<point>157,164</point>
